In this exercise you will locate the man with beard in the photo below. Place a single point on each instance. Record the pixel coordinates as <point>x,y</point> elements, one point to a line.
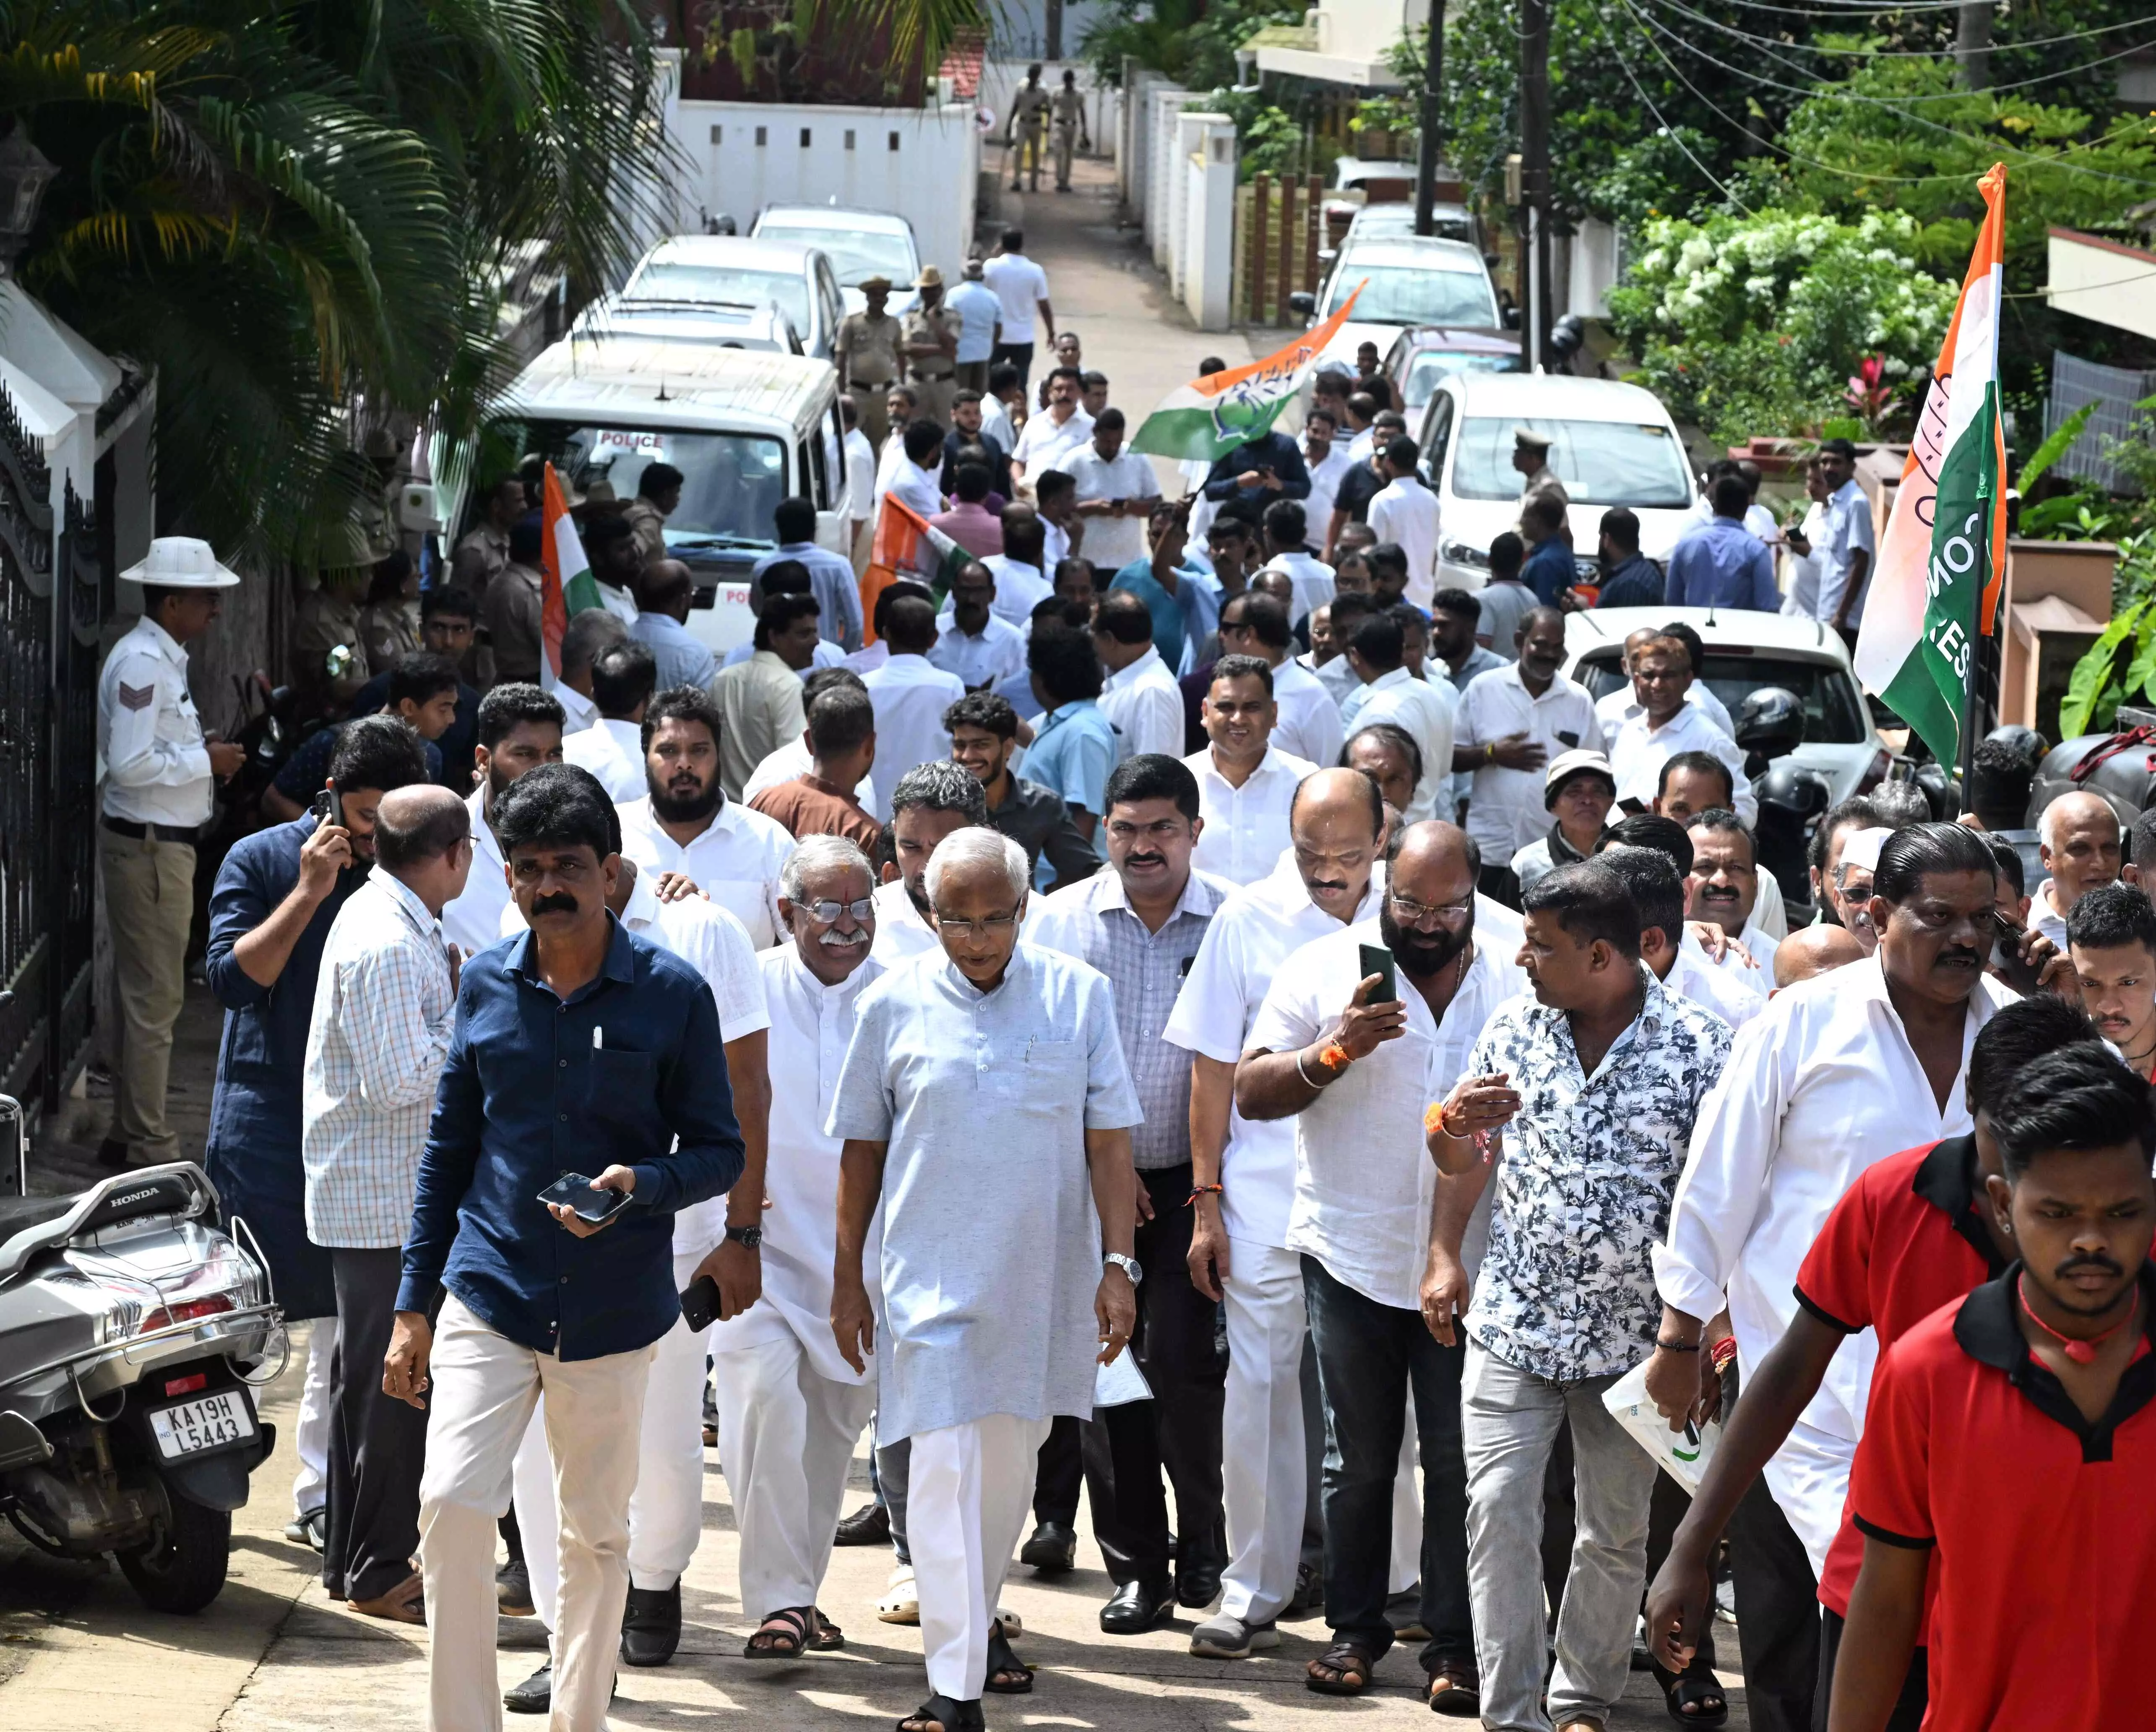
<point>519,729</point>
<point>1837,1073</point>
<point>929,802</point>
<point>1355,1061</point>
<point>2112,937</point>
<point>1140,923</point>
<point>1242,1183</point>
<point>1595,1081</point>
<point>1823,854</point>
<point>687,825</point>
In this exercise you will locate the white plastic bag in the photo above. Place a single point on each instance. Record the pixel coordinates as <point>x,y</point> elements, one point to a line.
<point>1682,1455</point>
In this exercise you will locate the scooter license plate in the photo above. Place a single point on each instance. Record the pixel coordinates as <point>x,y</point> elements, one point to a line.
<point>192,1427</point>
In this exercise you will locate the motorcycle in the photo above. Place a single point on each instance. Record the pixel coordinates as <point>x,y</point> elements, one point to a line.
<point>133,1335</point>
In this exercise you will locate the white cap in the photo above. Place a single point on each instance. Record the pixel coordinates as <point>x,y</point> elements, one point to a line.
<point>180,562</point>
<point>1860,849</point>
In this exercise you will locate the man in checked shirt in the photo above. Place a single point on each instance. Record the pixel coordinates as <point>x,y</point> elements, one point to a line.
<point>380,1031</point>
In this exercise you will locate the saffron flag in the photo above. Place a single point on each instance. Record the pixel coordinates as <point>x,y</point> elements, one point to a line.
<point>1207,419</point>
<point>1937,587</point>
<point>566,585</point>
<point>907,545</point>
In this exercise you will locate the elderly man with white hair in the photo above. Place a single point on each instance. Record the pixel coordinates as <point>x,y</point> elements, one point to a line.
<point>986,1106</point>
<point>2077,840</point>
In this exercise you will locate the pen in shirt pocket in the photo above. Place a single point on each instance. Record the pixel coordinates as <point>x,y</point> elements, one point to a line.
<point>598,1040</point>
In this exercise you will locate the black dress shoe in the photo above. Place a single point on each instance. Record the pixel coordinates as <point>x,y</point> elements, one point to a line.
<point>1198,1565</point>
<point>1052,1549</point>
<point>868,1525</point>
<point>1137,1607</point>
<point>535,1695</point>
<point>512,1589</point>
<point>651,1625</point>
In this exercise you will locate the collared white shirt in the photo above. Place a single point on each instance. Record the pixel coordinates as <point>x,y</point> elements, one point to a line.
<point>996,423</point>
<point>901,935</point>
<point>1426,709</point>
<point>811,1025</point>
<point>909,695</point>
<point>1019,589</point>
<point>1043,443</point>
<point>1245,835</point>
<point>906,481</point>
<point>860,476</point>
<point>734,860</point>
<point>826,653</point>
<point>1694,977</point>
<point>1848,528</point>
<point>1253,933</point>
<point>1054,543</point>
<point>789,763</point>
<point>1638,751</point>
<point>1819,1085</point>
<point>1505,809</point>
<point>1338,678</point>
<point>1145,705</point>
<point>1363,1178</point>
<point>613,752</point>
<point>473,922</point>
<point>1757,518</point>
<point>1756,983</point>
<point>2045,915</point>
<point>578,712</point>
<point>869,655</point>
<point>379,1035</point>
<point>1325,478</point>
<point>1309,724</point>
<point>1113,542</point>
<point>1313,579</point>
<point>1405,512</point>
<point>157,766</point>
<point>988,659</point>
<point>1613,709</point>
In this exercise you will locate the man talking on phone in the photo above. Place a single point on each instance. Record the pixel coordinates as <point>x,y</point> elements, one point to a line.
<point>579,1048</point>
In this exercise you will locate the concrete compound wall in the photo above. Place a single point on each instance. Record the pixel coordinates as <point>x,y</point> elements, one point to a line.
<point>1176,167</point>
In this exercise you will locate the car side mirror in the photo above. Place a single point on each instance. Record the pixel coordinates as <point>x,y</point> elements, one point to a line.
<point>1303,303</point>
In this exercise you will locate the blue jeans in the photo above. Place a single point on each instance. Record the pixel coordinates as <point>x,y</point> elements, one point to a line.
<point>1370,1359</point>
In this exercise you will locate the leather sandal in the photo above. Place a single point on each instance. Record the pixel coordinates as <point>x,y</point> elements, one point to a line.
<point>1008,1675</point>
<point>1352,1662</point>
<point>940,1711</point>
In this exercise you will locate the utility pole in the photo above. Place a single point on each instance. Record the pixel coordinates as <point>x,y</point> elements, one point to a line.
<point>1973,44</point>
<point>1432,73</point>
<point>1054,31</point>
<point>1534,176</point>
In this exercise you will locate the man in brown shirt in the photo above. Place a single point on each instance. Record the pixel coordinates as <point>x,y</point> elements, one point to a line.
<point>841,748</point>
<point>482,553</point>
<point>510,608</point>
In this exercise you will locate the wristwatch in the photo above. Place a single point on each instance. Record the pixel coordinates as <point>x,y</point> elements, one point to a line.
<point>1128,1264</point>
<point>750,1237</point>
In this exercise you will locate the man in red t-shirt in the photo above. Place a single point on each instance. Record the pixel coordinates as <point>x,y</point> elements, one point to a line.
<point>2011,1440</point>
<point>1910,1236</point>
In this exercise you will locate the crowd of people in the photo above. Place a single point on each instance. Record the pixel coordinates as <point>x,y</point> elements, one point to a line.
<point>1223,1023</point>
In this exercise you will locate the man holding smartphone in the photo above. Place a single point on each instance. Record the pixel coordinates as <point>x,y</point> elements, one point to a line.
<point>578,1047</point>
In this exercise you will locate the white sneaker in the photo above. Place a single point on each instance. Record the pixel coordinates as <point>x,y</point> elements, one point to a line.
<point>1224,1637</point>
<point>901,1603</point>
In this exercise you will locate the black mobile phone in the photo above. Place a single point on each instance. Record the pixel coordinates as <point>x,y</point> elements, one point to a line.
<point>329,807</point>
<point>1376,959</point>
<point>700,1302</point>
<point>574,1191</point>
<point>2006,962</point>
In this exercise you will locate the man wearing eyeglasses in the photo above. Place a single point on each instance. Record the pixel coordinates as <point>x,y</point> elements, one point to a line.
<point>986,1107</point>
<point>1354,1059</point>
<point>1666,724</point>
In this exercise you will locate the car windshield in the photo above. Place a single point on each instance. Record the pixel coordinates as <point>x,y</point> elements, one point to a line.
<point>730,481</point>
<point>856,255</point>
<point>723,285</point>
<point>1834,711</point>
<point>1601,462</point>
<point>1375,219</point>
<point>1404,294</point>
<point>1426,367</point>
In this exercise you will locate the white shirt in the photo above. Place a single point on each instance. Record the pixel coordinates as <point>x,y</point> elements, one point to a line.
<point>1405,512</point>
<point>473,922</point>
<point>827,655</point>
<point>988,660</point>
<point>1819,1085</point>
<point>1505,809</point>
<point>734,860</point>
<point>1253,933</point>
<point>157,766</point>
<point>977,309</point>
<point>1757,518</point>
<point>869,655</point>
<point>613,752</point>
<point>1637,753</point>
<point>1800,572</point>
<point>1426,708</point>
<point>2045,915</point>
<point>1245,835</point>
<point>1309,724</point>
<point>811,1027</point>
<point>1313,579</point>
<point>909,696</point>
<point>1363,1178</point>
<point>1848,527</point>
<point>911,485</point>
<point>860,476</point>
<point>1054,543</point>
<point>788,763</point>
<point>1145,705</point>
<point>1019,589</point>
<point>1018,285</point>
<point>1612,709</point>
<point>1325,478</point>
<point>1113,542</point>
<point>578,712</point>
<point>996,423</point>
<point>1694,976</point>
<point>1043,443</point>
<point>620,602</point>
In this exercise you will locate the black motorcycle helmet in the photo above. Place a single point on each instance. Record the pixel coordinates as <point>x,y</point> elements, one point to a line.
<point>1770,723</point>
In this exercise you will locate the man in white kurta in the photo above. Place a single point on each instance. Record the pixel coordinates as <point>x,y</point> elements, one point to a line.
<point>985,1106</point>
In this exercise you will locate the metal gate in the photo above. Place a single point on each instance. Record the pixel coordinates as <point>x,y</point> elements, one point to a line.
<point>82,591</point>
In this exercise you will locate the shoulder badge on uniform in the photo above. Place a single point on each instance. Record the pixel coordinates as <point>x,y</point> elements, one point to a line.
<point>137,697</point>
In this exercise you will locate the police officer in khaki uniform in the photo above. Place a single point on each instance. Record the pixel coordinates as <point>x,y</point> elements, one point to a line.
<point>1027,128</point>
<point>160,773</point>
<point>931,347</point>
<point>1066,110</point>
<point>868,347</point>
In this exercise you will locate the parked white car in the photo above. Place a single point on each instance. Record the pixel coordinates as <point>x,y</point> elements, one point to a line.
<point>1743,652</point>
<point>1611,444</point>
<point>1406,280</point>
<point>731,271</point>
<point>762,328</point>
<point>859,243</point>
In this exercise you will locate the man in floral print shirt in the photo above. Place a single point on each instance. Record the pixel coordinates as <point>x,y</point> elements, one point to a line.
<point>1580,1099</point>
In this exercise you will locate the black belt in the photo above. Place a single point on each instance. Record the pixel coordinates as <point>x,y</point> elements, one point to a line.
<point>152,832</point>
<point>872,384</point>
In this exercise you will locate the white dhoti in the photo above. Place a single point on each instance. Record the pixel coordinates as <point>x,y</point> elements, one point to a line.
<point>310,1437</point>
<point>1264,1474</point>
<point>968,1497</point>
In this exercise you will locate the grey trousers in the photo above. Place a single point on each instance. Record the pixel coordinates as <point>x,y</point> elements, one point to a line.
<point>1508,1420</point>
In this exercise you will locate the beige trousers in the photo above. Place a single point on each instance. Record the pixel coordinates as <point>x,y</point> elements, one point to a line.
<point>484,1388</point>
<point>149,901</point>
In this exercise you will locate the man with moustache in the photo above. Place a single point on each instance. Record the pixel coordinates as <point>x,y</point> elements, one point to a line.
<point>1724,883</point>
<point>2078,842</point>
<point>1242,1183</point>
<point>1245,783</point>
<point>1824,852</point>
<point>2111,937</point>
<point>519,729</point>
<point>929,802</point>
<point>1141,923</point>
<point>1355,1067</point>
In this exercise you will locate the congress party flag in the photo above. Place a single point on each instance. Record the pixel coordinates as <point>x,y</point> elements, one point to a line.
<point>907,545</point>
<point>566,585</point>
<point>1936,588</point>
<point>1209,418</point>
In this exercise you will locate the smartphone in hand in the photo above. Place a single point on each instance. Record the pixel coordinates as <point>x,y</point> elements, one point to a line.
<point>329,807</point>
<point>573,1191</point>
<point>1376,959</point>
<point>700,1302</point>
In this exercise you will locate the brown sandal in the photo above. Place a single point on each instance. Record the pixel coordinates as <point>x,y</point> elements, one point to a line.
<point>1352,1662</point>
<point>1454,1688</point>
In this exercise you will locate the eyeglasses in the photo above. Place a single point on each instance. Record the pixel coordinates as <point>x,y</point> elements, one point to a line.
<point>994,927</point>
<point>829,912</point>
<point>1416,913</point>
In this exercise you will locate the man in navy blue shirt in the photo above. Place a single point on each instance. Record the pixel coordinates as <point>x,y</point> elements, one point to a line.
<point>1549,571</point>
<point>579,1048</point>
<point>1265,469</point>
<point>270,914</point>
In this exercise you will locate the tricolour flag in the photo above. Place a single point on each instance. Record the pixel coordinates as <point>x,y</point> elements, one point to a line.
<point>566,585</point>
<point>1936,588</point>
<point>907,545</point>
<point>1209,418</point>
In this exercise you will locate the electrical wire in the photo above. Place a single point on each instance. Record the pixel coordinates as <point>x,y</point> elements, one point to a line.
<point>1914,54</point>
<point>1675,135</point>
